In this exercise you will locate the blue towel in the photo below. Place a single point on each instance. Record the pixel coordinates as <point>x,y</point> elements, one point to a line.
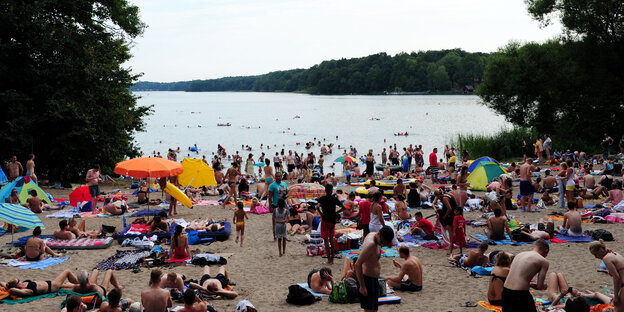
<point>307,287</point>
<point>506,241</point>
<point>575,239</point>
<point>481,270</point>
<point>40,265</point>
<point>145,213</point>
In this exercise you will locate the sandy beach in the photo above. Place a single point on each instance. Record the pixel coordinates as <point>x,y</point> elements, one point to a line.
<point>263,278</point>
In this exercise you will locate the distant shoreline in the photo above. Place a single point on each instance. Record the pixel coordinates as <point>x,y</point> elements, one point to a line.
<point>301,92</point>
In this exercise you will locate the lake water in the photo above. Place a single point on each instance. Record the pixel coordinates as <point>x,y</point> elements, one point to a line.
<point>181,119</point>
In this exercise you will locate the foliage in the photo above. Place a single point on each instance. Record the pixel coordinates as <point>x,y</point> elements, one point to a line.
<point>569,87</point>
<point>63,91</point>
<point>504,145</point>
<point>430,71</point>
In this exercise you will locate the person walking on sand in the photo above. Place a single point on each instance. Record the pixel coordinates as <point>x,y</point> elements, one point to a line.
<point>30,168</point>
<point>615,265</point>
<point>327,205</point>
<point>459,231</point>
<point>527,264</point>
<point>93,180</point>
<point>239,219</point>
<point>280,217</point>
<point>368,267</point>
<point>547,146</point>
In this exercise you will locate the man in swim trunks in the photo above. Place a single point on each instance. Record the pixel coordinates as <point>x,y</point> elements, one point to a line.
<point>473,258</point>
<point>15,169</point>
<point>329,216</point>
<point>410,277</point>
<point>368,266</point>
<point>172,280</point>
<point>526,188</point>
<point>28,288</point>
<point>88,283</point>
<point>192,303</point>
<point>516,291</point>
<point>321,281</point>
<point>36,248</point>
<point>497,226</point>
<point>155,299</point>
<point>214,285</point>
<point>572,221</point>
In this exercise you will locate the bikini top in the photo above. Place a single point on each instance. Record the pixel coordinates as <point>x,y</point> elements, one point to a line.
<point>494,276</point>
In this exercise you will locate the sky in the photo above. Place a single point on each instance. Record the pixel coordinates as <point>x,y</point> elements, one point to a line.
<point>205,39</point>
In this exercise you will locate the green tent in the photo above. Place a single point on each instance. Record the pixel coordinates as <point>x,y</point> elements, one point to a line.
<point>23,189</point>
<point>483,174</point>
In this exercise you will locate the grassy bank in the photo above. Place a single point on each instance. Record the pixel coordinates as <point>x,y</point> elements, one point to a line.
<point>504,145</point>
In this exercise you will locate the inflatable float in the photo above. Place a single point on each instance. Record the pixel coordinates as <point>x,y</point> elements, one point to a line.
<point>177,194</point>
<point>364,191</point>
<point>389,184</point>
<point>393,168</point>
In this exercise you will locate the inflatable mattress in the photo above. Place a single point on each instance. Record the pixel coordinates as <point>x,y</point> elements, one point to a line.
<point>80,243</point>
<point>364,191</point>
<point>217,235</point>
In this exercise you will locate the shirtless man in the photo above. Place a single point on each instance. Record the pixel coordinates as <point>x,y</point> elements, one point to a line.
<point>113,209</point>
<point>399,189</point>
<point>15,169</point>
<point>155,299</point>
<point>63,232</point>
<point>516,291</point>
<point>262,189</point>
<point>36,248</point>
<point>589,181</point>
<point>526,189</point>
<point>549,181</point>
<point>172,281</point>
<point>231,177</point>
<point>214,285</point>
<point>88,283</point>
<point>368,266</point>
<point>410,277</point>
<point>473,258</point>
<point>192,303</point>
<point>321,281</point>
<point>115,303</point>
<point>34,203</point>
<point>497,226</point>
<point>572,221</point>
<point>80,231</point>
<point>158,226</point>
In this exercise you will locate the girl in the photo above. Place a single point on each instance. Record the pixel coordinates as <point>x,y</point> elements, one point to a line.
<point>615,265</point>
<point>294,222</point>
<point>280,218</point>
<point>179,245</point>
<point>239,219</point>
<point>459,231</point>
<point>499,275</point>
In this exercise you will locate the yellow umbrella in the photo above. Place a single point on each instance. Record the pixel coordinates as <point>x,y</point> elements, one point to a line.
<point>196,174</point>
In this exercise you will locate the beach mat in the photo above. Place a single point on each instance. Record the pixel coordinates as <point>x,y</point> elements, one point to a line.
<point>486,305</point>
<point>146,213</point>
<point>307,287</point>
<point>435,246</point>
<point>389,300</point>
<point>560,218</point>
<point>574,239</point>
<point>33,265</point>
<point>385,252</point>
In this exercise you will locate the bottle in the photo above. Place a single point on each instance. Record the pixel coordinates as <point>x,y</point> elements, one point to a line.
<point>606,290</point>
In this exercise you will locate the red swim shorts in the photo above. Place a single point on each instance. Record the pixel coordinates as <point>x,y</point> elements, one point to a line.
<point>327,230</point>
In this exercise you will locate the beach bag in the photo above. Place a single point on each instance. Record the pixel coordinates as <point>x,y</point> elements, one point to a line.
<point>600,234</point>
<point>353,292</point>
<point>298,295</point>
<point>339,293</point>
<point>245,306</point>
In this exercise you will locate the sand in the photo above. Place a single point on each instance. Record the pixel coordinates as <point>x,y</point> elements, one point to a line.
<point>263,278</point>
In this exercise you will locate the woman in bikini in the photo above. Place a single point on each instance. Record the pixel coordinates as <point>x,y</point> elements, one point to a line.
<point>497,281</point>
<point>231,177</point>
<point>179,245</point>
<point>142,193</point>
<point>615,266</point>
<point>294,222</point>
<point>28,288</point>
<point>268,172</point>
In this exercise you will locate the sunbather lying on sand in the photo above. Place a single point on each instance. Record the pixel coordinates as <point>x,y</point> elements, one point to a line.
<point>28,288</point>
<point>214,285</point>
<point>205,225</point>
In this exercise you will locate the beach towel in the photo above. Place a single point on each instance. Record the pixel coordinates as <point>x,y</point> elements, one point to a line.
<point>506,241</point>
<point>4,293</point>
<point>486,305</point>
<point>145,213</point>
<point>389,300</point>
<point>385,252</point>
<point>37,265</point>
<point>574,239</point>
<point>560,218</point>
<point>61,292</point>
<point>445,245</point>
<point>64,214</point>
<point>260,210</point>
<point>415,241</point>
<point>205,202</point>
<point>307,287</point>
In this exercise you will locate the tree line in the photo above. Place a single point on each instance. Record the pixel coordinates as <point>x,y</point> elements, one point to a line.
<point>424,71</point>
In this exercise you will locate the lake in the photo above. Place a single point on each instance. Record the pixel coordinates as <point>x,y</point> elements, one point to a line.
<point>181,119</point>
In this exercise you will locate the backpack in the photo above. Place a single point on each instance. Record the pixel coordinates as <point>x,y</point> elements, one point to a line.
<point>353,292</point>
<point>339,293</point>
<point>298,295</point>
<point>600,234</point>
<point>517,236</point>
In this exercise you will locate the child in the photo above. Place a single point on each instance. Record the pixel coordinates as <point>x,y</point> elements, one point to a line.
<point>280,216</point>
<point>239,219</point>
<point>459,231</point>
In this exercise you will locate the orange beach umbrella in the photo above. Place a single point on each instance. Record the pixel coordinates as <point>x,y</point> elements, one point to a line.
<point>148,167</point>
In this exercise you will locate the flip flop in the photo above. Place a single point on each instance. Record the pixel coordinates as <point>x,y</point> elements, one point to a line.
<point>468,304</point>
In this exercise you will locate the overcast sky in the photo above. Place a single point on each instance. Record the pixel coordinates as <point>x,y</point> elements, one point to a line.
<point>203,39</point>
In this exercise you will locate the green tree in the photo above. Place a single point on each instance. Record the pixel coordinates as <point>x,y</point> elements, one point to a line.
<point>64,93</point>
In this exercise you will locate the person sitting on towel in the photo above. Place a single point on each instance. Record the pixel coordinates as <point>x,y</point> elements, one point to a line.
<point>321,281</point>
<point>28,288</point>
<point>63,232</point>
<point>497,226</point>
<point>115,303</point>
<point>410,277</point>
<point>192,303</point>
<point>473,258</point>
<point>572,221</point>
